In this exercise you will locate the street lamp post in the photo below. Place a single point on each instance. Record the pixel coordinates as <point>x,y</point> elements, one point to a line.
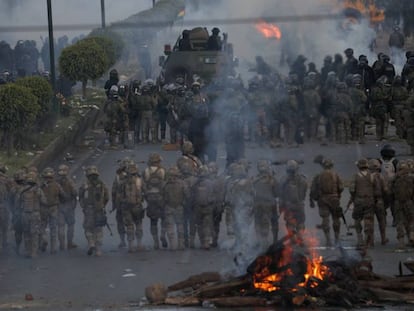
<point>153,3</point>
<point>103,13</point>
<point>52,53</point>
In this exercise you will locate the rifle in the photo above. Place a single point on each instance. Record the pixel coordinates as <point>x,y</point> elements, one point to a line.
<point>348,232</point>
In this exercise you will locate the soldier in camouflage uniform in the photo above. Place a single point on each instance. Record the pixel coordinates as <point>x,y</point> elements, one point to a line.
<point>54,195</point>
<point>188,165</point>
<point>342,109</point>
<point>93,197</point>
<point>28,200</point>
<point>381,197</point>
<point>399,96</point>
<point>358,109</point>
<point>116,110</point>
<point>219,185</point>
<point>116,203</point>
<point>131,199</point>
<point>174,194</point>
<point>292,196</point>
<point>66,213</point>
<point>362,190</point>
<point>266,218</point>
<point>203,204</point>
<point>380,96</point>
<point>403,193</point>
<point>312,105</point>
<point>326,189</point>
<point>154,179</point>
<point>148,104</point>
<point>5,192</point>
<point>19,183</point>
<point>408,118</point>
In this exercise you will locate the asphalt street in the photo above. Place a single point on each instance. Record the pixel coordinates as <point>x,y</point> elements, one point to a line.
<point>117,280</point>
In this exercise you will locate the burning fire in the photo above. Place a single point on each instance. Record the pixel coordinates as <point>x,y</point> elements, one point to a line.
<point>367,8</point>
<point>288,264</point>
<point>268,30</point>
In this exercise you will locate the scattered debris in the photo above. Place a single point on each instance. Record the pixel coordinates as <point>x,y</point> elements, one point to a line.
<point>28,297</point>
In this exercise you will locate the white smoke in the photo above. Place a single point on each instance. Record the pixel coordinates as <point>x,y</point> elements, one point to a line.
<point>315,39</point>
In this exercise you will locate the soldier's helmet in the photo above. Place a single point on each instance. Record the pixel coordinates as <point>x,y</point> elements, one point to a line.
<point>3,168</point>
<point>263,166</point>
<point>341,86</point>
<point>154,158</point>
<point>113,74</point>
<point>327,163</point>
<point>402,165</point>
<point>195,84</point>
<point>63,170</point>
<point>387,151</point>
<point>374,164</point>
<point>187,147</point>
<point>113,91</point>
<point>213,167</point>
<point>362,163</point>
<point>180,80</point>
<point>19,176</point>
<point>349,52</point>
<point>174,171</point>
<point>132,169</point>
<point>91,170</point>
<point>31,178</point>
<point>292,166</point>
<point>410,163</point>
<point>203,171</point>
<point>48,172</point>
<point>328,59</point>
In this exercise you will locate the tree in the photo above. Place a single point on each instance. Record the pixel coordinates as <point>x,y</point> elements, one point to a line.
<point>83,61</point>
<point>110,41</point>
<point>18,110</point>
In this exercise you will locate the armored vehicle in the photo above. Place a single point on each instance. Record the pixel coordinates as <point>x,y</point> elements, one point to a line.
<point>197,59</point>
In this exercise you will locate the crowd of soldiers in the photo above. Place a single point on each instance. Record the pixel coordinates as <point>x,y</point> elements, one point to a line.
<point>332,105</point>
<point>189,199</point>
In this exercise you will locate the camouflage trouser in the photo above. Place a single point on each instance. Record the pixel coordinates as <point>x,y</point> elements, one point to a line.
<point>262,221</point>
<point>31,223</point>
<point>203,218</point>
<point>174,227</point>
<point>329,206</point>
<point>155,127</point>
<point>93,233</point>
<point>342,128</point>
<point>66,216</point>
<point>396,114</point>
<point>4,225</point>
<point>120,225</point>
<point>381,215</point>
<point>132,217</point>
<point>289,127</point>
<point>364,213</point>
<point>294,215</point>
<point>218,210</point>
<point>381,126</point>
<point>358,128</point>
<point>49,216</point>
<point>311,128</point>
<point>146,125</point>
<point>18,228</point>
<point>155,212</point>
<point>404,211</point>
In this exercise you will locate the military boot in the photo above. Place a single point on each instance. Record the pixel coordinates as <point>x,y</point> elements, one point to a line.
<point>71,245</point>
<point>164,242</point>
<point>131,247</point>
<point>122,244</point>
<point>156,241</point>
<point>401,244</point>
<point>98,252</point>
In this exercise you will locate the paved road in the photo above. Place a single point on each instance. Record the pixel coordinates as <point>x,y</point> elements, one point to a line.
<point>75,281</point>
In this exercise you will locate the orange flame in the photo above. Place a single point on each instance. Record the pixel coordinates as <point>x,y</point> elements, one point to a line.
<point>268,30</point>
<point>315,270</point>
<point>367,8</point>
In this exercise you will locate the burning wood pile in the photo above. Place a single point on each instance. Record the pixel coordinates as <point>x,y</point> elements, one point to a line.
<point>290,274</point>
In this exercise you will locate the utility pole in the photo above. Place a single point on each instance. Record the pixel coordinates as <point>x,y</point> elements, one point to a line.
<point>103,13</point>
<point>52,54</point>
<point>153,3</point>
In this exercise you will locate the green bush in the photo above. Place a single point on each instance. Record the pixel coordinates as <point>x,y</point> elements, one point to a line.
<point>40,88</point>
<point>18,111</point>
<point>83,61</point>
